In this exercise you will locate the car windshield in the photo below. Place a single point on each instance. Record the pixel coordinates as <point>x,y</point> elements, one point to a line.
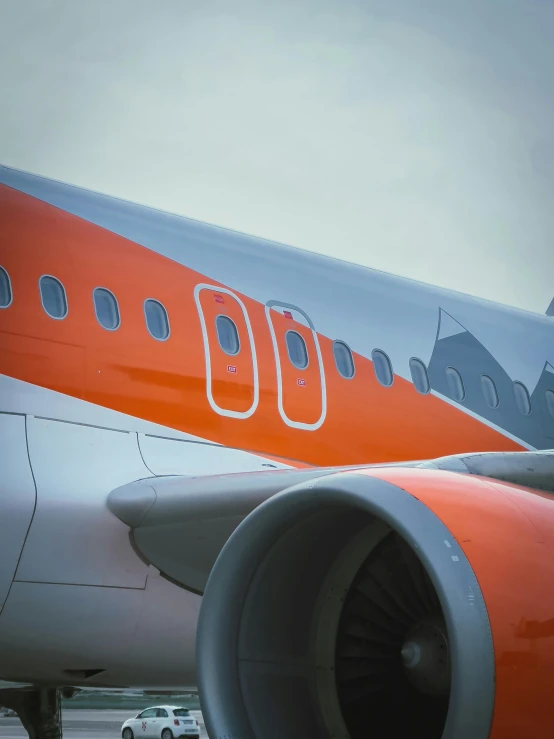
<point>181,712</point>
<point>149,713</point>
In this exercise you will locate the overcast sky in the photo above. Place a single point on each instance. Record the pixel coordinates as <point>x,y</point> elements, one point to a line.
<point>413,136</point>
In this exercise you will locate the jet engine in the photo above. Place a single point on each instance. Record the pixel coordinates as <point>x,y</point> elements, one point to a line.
<point>389,603</point>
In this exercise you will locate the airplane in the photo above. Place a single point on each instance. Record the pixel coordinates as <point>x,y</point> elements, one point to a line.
<point>319,494</point>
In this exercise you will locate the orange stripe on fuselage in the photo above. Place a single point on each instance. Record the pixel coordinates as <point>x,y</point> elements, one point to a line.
<point>164,382</point>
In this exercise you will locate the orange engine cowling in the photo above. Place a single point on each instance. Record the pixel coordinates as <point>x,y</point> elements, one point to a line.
<point>389,603</point>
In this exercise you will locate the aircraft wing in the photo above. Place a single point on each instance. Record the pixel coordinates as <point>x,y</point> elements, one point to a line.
<point>179,524</point>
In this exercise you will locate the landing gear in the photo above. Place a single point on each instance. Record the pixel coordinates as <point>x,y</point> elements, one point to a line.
<point>39,710</point>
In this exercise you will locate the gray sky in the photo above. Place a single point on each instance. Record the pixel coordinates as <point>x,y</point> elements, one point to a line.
<point>413,136</point>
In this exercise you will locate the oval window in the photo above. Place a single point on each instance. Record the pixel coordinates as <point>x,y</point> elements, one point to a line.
<point>344,360</point>
<point>382,367</point>
<point>523,401</point>
<point>455,384</point>
<point>488,388</point>
<point>296,348</point>
<point>106,308</point>
<point>52,295</point>
<point>227,335</point>
<point>5,289</point>
<point>157,321</point>
<point>549,397</point>
<point>420,377</point>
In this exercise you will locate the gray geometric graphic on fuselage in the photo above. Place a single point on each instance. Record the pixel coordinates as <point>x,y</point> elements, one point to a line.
<point>538,401</point>
<point>456,347</point>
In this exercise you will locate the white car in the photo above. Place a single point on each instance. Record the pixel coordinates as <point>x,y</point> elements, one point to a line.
<point>161,722</point>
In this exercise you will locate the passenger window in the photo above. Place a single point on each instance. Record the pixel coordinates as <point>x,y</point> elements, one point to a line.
<point>344,360</point>
<point>523,401</point>
<point>382,367</point>
<point>455,384</point>
<point>106,308</point>
<point>549,396</point>
<point>157,321</point>
<point>227,335</point>
<point>420,377</point>
<point>5,289</point>
<point>52,295</point>
<point>162,713</point>
<point>296,349</point>
<point>489,391</point>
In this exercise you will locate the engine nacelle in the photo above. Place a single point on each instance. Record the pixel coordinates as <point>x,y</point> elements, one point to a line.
<point>389,603</point>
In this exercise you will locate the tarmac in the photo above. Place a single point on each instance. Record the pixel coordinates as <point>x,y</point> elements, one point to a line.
<point>86,724</point>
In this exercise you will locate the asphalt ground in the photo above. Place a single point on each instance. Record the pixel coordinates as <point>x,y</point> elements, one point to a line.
<point>85,724</point>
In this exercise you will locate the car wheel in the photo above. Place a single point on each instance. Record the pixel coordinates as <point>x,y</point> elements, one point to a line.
<point>167,734</point>
<point>127,733</point>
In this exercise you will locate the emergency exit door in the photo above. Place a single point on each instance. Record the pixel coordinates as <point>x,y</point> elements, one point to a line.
<point>301,394</point>
<point>232,386</point>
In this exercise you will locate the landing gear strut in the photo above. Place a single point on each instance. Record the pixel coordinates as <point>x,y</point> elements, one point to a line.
<point>39,710</point>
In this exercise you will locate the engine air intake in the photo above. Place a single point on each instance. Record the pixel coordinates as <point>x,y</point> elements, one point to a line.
<point>392,655</point>
<point>344,608</point>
